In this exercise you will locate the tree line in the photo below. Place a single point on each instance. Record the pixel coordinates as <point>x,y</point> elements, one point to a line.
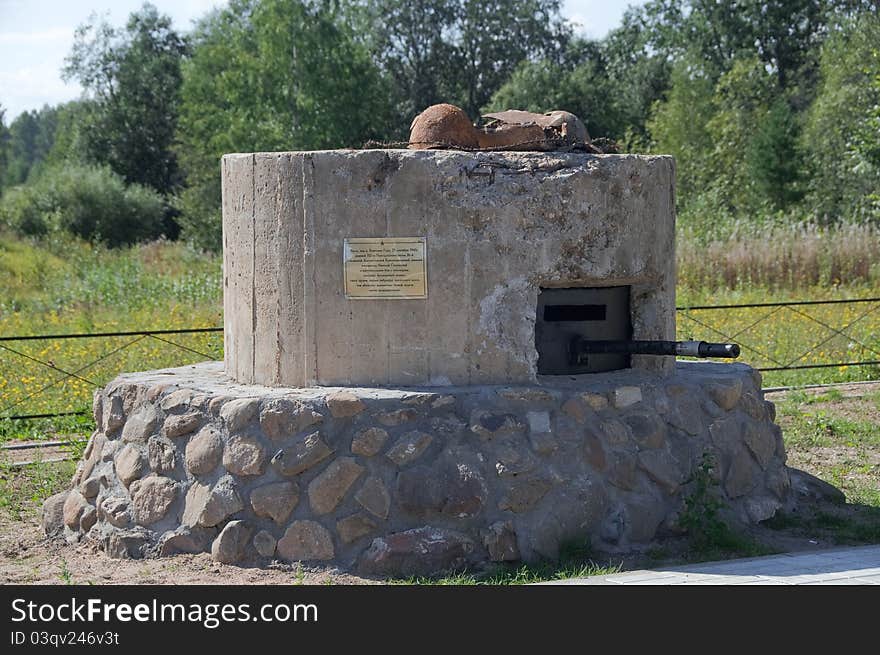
<point>771,107</point>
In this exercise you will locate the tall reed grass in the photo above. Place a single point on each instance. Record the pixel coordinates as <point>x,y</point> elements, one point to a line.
<point>782,257</point>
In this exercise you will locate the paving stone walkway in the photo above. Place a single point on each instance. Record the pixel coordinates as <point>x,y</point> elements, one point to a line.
<point>840,566</point>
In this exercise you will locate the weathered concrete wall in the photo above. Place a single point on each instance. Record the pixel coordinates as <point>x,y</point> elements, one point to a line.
<point>403,482</point>
<point>499,226</point>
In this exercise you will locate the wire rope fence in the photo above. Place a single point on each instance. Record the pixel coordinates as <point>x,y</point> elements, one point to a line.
<point>49,379</point>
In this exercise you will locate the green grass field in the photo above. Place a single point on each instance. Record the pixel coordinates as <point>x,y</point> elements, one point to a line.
<point>69,287</point>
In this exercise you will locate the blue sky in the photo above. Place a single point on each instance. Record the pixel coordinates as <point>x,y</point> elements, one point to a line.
<point>36,35</point>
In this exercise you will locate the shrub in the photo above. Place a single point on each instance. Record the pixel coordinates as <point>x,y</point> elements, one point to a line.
<point>21,213</point>
<point>90,202</point>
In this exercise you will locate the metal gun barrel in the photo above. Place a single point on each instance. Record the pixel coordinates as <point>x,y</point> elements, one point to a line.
<point>581,346</point>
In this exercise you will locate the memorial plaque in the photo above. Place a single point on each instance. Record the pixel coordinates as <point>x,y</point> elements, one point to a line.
<point>385,267</point>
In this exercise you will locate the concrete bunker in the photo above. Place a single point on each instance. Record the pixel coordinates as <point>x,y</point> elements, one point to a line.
<point>398,395</point>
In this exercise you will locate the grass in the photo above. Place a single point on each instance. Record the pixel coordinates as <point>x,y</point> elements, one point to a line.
<point>783,257</point>
<point>45,429</point>
<point>781,336</point>
<point>23,489</point>
<point>837,439</point>
<point>787,263</point>
<point>575,561</point>
<point>65,286</point>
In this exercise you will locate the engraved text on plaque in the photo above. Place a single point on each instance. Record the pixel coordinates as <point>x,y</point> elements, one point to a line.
<point>385,267</point>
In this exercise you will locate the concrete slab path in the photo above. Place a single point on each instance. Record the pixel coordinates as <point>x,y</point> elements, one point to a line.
<point>839,566</point>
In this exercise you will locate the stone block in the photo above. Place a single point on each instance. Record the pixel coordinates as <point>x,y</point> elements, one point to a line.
<point>52,516</point>
<point>151,498</point>
<point>305,541</point>
<point>208,506</point>
<point>373,496</point>
<point>368,442</point>
<point>285,417</point>
<point>421,551</point>
<point>500,541</point>
<point>409,447</point>
<point>244,456</point>
<point>351,528</point>
<point>275,500</point>
<point>230,544</point>
<point>328,489</point>
<point>238,413</point>
<point>178,425</point>
<point>625,396</point>
<point>203,451</point>
<point>130,464</point>
<point>264,544</point>
<point>344,404</point>
<point>161,454</point>
<point>302,455</point>
<point>141,425</point>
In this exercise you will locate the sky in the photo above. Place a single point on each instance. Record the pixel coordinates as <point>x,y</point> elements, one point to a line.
<point>36,35</point>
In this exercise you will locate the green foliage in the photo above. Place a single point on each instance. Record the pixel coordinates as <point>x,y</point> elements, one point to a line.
<point>133,77</point>
<point>580,85</point>
<point>709,534</point>
<point>842,126</point>
<point>700,516</point>
<point>4,148</point>
<point>771,109</point>
<point>679,127</point>
<point>575,561</point>
<point>458,51</point>
<point>23,490</point>
<point>785,35</point>
<point>90,202</point>
<point>21,212</point>
<point>265,76</point>
<point>638,67</point>
<point>774,158</point>
<point>737,145</point>
<point>28,141</point>
<point>740,101</point>
<point>61,284</point>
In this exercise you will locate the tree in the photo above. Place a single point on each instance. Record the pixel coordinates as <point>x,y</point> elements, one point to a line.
<point>774,156</point>
<point>679,127</point>
<point>784,34</point>
<point>459,51</point>
<point>91,202</point>
<point>68,144</point>
<point>580,84</point>
<point>493,37</point>
<point>270,75</point>
<point>411,42</point>
<point>28,141</point>
<point>842,126</point>
<point>132,76</point>
<point>4,148</point>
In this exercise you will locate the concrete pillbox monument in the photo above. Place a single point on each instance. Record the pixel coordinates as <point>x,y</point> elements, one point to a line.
<point>406,386</point>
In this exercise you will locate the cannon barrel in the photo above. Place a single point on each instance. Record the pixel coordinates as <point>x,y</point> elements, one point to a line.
<point>580,348</point>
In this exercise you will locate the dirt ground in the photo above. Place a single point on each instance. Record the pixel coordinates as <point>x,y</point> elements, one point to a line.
<point>27,557</point>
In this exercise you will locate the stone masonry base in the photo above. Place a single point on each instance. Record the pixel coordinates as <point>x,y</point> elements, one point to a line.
<point>398,482</point>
